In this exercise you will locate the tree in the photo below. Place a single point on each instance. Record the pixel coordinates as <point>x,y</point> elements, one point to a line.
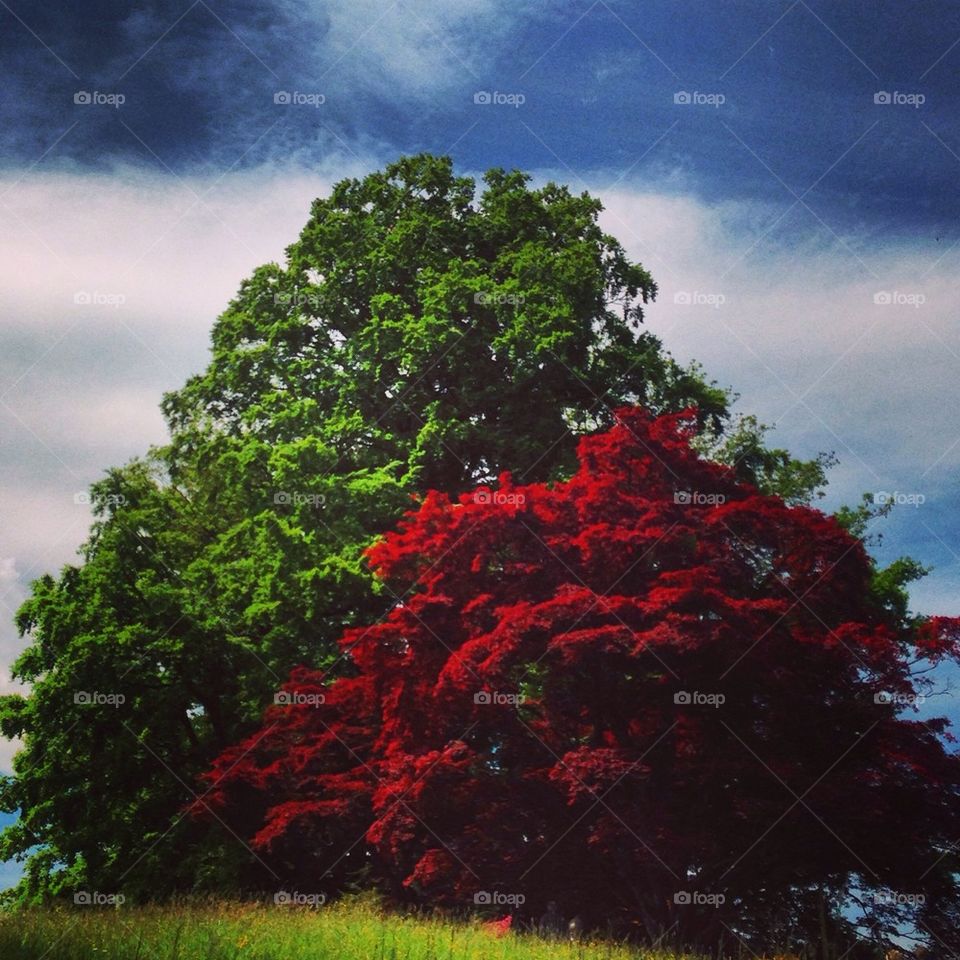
<point>650,693</point>
<point>420,335</point>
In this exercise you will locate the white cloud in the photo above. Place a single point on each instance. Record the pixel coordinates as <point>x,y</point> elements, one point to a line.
<point>416,49</point>
<point>798,333</point>
<point>154,259</point>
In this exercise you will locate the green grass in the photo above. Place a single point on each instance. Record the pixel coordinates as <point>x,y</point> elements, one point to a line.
<point>355,930</point>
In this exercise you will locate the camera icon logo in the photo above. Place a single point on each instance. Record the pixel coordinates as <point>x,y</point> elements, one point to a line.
<point>482,898</point>
<point>483,697</point>
<point>682,96</point>
<point>883,297</point>
<point>881,96</point>
<point>282,497</point>
<point>83,97</point>
<point>281,97</point>
<point>682,697</point>
<point>482,96</point>
<point>682,897</point>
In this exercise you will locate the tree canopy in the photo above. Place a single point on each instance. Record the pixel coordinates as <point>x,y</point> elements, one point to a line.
<point>423,333</point>
<point>650,693</point>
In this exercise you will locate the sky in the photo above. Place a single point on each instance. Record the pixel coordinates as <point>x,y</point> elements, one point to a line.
<point>786,170</point>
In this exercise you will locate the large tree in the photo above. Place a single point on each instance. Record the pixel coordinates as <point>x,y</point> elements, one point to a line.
<point>651,693</point>
<point>421,334</point>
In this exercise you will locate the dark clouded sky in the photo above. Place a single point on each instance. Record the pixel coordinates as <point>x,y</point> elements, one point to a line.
<point>787,170</point>
<point>598,79</point>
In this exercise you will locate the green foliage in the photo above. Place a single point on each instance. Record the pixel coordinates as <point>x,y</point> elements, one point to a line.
<point>448,336</point>
<point>773,470</point>
<point>421,334</point>
<point>889,584</point>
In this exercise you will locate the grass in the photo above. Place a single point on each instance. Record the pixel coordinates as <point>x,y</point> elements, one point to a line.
<point>348,930</point>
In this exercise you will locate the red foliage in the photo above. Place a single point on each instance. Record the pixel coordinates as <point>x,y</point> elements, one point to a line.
<point>499,928</point>
<point>647,680</point>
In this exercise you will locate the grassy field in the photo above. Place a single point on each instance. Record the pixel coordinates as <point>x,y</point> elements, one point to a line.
<point>344,931</point>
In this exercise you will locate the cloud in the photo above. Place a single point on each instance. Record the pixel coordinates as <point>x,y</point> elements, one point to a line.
<point>192,87</point>
<point>843,343</point>
<point>413,50</point>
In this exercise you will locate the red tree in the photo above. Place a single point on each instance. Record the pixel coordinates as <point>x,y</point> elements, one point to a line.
<point>649,693</point>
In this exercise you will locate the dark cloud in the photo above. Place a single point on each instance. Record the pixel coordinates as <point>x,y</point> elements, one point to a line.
<point>598,80</point>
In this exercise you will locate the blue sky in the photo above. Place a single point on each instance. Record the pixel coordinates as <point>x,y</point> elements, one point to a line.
<point>804,235</point>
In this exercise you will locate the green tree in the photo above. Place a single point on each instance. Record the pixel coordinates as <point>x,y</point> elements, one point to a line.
<point>421,334</point>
